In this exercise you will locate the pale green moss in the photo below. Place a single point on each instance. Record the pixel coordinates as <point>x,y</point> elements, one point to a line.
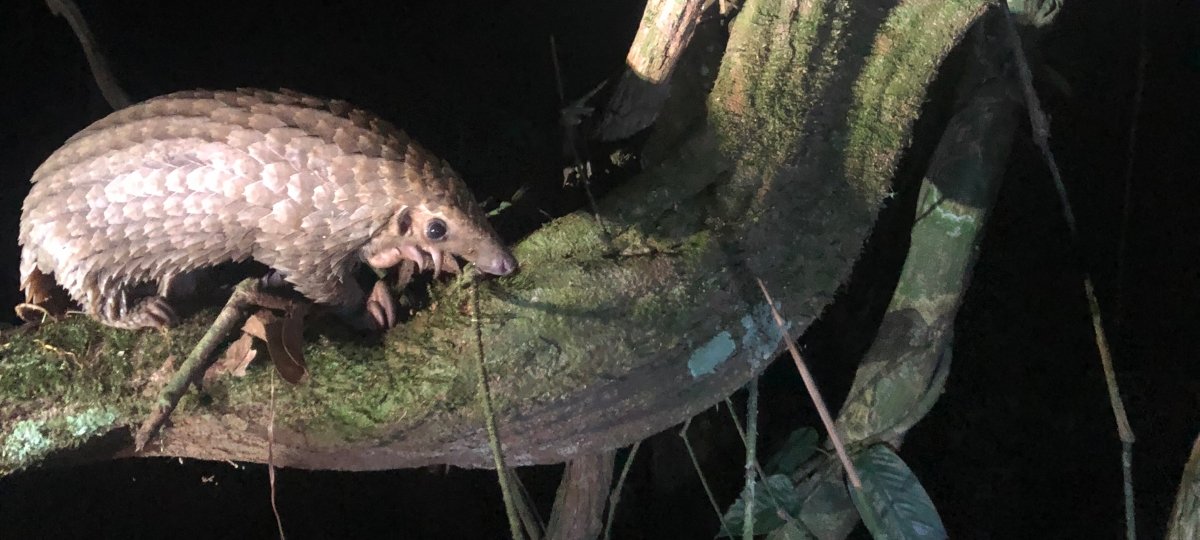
<point>889,93</point>
<point>31,439</point>
<point>761,334</point>
<point>25,442</point>
<point>705,358</point>
<point>91,422</point>
<point>764,93</point>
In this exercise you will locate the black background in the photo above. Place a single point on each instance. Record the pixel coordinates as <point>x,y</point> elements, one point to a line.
<point>1022,443</point>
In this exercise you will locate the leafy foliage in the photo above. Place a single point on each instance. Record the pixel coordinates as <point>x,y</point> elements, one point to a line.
<point>892,502</point>
<point>778,498</point>
<point>789,531</point>
<point>798,447</point>
<point>774,500</point>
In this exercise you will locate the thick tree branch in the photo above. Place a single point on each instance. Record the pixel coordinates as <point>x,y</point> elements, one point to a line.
<point>778,173</point>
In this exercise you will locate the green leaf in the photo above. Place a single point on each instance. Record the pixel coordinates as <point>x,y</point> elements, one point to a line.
<point>772,500</point>
<point>790,531</point>
<point>796,450</point>
<point>892,503</point>
<point>826,510</point>
<point>1039,13</point>
<point>1185,517</point>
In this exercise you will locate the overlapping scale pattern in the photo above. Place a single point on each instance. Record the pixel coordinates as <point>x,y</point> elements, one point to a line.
<point>198,178</point>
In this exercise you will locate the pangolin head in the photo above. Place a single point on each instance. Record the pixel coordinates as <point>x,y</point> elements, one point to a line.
<point>446,221</point>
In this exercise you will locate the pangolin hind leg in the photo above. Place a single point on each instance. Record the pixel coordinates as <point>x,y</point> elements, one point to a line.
<point>119,311</point>
<point>133,306</point>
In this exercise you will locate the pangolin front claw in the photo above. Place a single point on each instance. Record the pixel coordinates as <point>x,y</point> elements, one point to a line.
<point>381,306</point>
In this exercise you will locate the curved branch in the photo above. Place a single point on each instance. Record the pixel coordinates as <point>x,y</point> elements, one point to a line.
<point>777,172</point>
<point>109,87</point>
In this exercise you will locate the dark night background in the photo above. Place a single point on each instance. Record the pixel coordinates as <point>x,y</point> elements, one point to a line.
<point>1022,444</point>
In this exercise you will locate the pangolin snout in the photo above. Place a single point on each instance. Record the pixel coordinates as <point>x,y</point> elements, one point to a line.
<point>502,264</point>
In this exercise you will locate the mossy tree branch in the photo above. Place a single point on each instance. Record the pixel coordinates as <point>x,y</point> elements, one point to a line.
<point>778,171</point>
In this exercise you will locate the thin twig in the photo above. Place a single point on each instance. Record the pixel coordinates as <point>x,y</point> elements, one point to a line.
<point>1130,156</point>
<point>534,527</point>
<point>109,88</point>
<point>615,496</point>
<point>703,482</point>
<point>1041,136</point>
<point>271,458</point>
<point>203,355</point>
<point>489,416</point>
<point>571,136</point>
<point>815,394</point>
<point>737,425</point>
<point>751,449</point>
<point>558,80</point>
<point>1127,489</point>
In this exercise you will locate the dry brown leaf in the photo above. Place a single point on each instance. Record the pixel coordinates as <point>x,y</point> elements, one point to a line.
<point>235,360</point>
<point>285,343</point>
<point>256,324</point>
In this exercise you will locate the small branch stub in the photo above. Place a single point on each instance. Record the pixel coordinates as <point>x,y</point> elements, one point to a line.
<point>666,30</point>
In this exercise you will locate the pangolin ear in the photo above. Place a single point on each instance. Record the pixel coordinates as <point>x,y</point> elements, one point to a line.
<point>402,222</point>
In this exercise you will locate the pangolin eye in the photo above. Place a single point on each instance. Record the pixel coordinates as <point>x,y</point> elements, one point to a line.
<point>435,229</point>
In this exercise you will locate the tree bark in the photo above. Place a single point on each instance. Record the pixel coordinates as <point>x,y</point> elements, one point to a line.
<point>665,32</point>
<point>582,495</point>
<point>770,159</point>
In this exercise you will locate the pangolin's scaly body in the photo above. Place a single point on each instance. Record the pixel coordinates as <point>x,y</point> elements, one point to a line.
<point>309,187</point>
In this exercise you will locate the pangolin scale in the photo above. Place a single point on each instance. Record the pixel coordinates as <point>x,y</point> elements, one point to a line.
<point>310,187</point>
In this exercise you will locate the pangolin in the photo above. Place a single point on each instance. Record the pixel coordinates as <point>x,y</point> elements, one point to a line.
<point>309,187</point>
